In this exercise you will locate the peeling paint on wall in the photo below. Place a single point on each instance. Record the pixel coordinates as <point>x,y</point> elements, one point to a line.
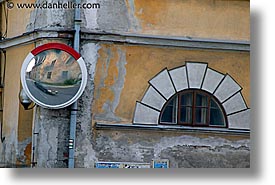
<point>50,18</point>
<point>114,60</point>
<point>182,150</point>
<point>23,156</point>
<point>9,149</point>
<point>120,79</point>
<point>143,63</point>
<point>133,20</point>
<point>118,75</point>
<point>85,154</point>
<point>190,141</point>
<point>53,131</point>
<point>112,16</point>
<point>90,17</point>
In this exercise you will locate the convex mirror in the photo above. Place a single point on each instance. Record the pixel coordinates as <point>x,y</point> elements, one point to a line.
<point>54,75</point>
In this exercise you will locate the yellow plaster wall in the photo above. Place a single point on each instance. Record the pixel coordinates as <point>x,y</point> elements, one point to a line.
<point>15,119</point>
<point>15,58</point>
<point>25,121</point>
<point>219,19</point>
<point>143,63</point>
<point>14,115</point>
<point>18,19</point>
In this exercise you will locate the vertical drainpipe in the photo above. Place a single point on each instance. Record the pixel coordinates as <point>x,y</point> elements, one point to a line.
<point>77,21</point>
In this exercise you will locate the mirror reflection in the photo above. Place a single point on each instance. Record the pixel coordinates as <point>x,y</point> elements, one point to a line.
<point>53,77</point>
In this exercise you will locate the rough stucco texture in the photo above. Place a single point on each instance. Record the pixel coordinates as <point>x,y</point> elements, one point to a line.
<point>50,18</point>
<point>226,20</point>
<point>217,19</point>
<point>181,149</point>
<point>16,26</point>
<point>14,148</point>
<point>123,72</point>
<point>52,128</point>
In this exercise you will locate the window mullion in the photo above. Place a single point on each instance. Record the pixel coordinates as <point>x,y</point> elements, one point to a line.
<point>208,110</point>
<point>194,109</point>
<point>186,112</point>
<point>179,107</point>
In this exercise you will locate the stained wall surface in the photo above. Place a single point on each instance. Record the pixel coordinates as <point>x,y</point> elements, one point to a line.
<point>118,75</point>
<point>123,73</point>
<point>17,123</point>
<point>16,26</point>
<point>183,150</point>
<point>214,19</point>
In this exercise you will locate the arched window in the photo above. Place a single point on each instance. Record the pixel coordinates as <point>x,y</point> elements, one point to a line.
<point>193,108</point>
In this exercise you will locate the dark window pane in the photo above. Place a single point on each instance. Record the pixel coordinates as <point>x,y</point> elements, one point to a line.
<point>172,102</point>
<point>49,75</point>
<point>216,115</point>
<point>167,115</point>
<point>65,75</point>
<point>214,105</point>
<point>53,62</point>
<point>197,111</point>
<point>170,112</point>
<point>186,99</point>
<point>201,100</point>
<point>186,115</point>
<point>201,115</point>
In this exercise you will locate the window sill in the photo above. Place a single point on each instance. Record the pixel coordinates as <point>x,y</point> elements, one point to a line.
<point>107,126</point>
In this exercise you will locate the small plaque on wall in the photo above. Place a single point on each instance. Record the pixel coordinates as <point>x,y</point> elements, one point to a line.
<point>121,165</point>
<point>163,163</point>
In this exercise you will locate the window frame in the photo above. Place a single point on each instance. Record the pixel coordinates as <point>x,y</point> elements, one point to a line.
<point>53,63</point>
<point>193,123</point>
<point>49,75</point>
<point>65,74</point>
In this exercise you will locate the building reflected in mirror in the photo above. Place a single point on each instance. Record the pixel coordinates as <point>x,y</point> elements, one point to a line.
<point>53,73</point>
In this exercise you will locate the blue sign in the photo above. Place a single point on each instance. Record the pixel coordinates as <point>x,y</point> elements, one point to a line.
<point>107,165</point>
<point>164,163</point>
<point>121,165</point>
